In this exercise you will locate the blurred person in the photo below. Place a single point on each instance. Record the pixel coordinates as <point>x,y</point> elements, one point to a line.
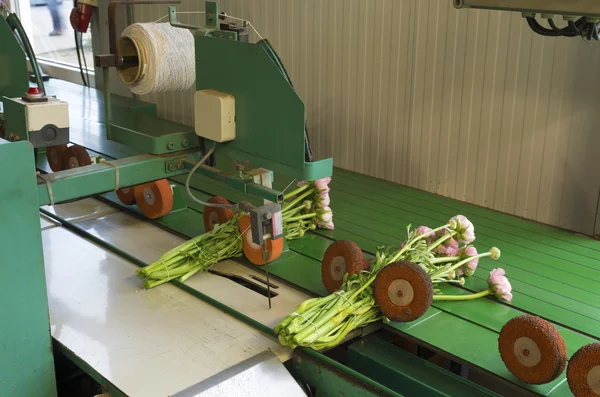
<point>56,18</point>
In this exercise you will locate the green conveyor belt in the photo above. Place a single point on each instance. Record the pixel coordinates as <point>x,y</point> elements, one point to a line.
<point>555,274</point>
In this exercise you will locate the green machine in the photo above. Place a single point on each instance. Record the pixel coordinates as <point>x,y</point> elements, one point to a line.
<point>142,171</point>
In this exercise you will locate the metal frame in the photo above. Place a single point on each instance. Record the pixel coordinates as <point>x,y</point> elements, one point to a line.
<point>574,7</point>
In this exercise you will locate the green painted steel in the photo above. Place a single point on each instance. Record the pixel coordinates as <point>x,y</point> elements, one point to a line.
<point>15,120</point>
<point>100,178</point>
<point>269,113</point>
<point>325,375</point>
<point>407,373</point>
<point>14,79</point>
<point>26,364</point>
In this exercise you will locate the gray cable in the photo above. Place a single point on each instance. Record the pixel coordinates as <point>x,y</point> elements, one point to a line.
<point>189,177</point>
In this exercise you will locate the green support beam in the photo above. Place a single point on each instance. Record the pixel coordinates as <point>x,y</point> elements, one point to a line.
<point>26,367</point>
<point>406,373</point>
<point>101,178</point>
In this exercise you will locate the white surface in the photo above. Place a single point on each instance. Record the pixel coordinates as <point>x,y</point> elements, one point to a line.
<point>214,115</point>
<point>147,343</point>
<point>81,210</point>
<point>47,223</point>
<point>147,243</point>
<point>40,114</point>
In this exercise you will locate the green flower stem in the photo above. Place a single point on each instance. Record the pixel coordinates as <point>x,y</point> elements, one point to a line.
<point>461,297</point>
<point>298,199</point>
<point>445,271</point>
<point>444,259</point>
<point>297,191</point>
<point>441,240</point>
<point>411,242</point>
<point>293,212</point>
<point>300,217</point>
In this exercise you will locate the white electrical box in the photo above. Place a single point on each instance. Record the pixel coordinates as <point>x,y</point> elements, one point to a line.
<point>214,115</point>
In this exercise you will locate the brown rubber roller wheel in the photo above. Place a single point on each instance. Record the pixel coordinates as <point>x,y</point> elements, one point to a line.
<point>532,349</point>
<point>403,291</point>
<point>583,372</point>
<point>214,215</point>
<point>341,257</point>
<point>126,195</point>
<point>154,199</point>
<point>76,156</point>
<point>55,156</point>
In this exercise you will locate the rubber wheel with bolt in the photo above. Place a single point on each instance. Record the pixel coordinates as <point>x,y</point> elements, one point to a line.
<point>254,252</point>
<point>216,215</point>
<point>76,156</point>
<point>341,257</point>
<point>532,349</point>
<point>583,373</point>
<point>403,291</point>
<point>154,199</point>
<point>126,195</point>
<point>55,156</point>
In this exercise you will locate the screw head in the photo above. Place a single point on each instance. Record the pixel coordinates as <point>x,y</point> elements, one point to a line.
<point>185,143</point>
<point>180,164</point>
<point>170,145</point>
<point>171,167</point>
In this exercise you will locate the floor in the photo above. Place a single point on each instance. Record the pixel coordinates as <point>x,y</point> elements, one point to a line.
<point>554,273</point>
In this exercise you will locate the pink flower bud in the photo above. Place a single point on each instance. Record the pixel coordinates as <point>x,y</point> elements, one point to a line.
<point>325,217</point>
<point>322,184</point>
<point>468,268</point>
<point>323,199</point>
<point>424,230</point>
<point>465,231</point>
<point>325,225</point>
<point>499,285</point>
<point>494,253</point>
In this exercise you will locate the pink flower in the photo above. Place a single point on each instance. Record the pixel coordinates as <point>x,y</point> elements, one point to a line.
<point>325,215</point>
<point>424,230</point>
<point>323,199</point>
<point>468,268</point>
<point>444,250</point>
<point>325,225</point>
<point>322,184</point>
<point>465,231</point>
<point>499,285</point>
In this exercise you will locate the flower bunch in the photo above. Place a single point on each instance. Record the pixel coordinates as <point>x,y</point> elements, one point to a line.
<point>306,208</point>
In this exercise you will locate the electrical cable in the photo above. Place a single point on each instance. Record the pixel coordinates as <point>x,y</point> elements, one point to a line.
<point>189,177</point>
<point>87,75</point>
<point>79,58</point>
<point>591,28</point>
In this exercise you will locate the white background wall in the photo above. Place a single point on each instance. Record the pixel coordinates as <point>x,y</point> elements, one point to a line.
<point>467,104</point>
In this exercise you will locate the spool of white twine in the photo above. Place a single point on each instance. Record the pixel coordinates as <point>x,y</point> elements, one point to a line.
<point>166,61</point>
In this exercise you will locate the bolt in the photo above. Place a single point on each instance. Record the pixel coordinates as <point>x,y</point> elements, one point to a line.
<point>400,293</point>
<point>197,59</point>
<point>180,164</point>
<point>170,146</point>
<point>171,167</point>
<point>11,136</point>
<point>337,268</point>
<point>298,359</point>
<point>185,143</point>
<point>526,352</point>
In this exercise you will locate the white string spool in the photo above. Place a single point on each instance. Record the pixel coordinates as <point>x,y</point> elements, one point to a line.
<point>165,58</point>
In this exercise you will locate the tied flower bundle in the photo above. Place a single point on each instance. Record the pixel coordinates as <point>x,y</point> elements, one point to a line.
<point>307,208</point>
<point>324,322</point>
<point>197,254</point>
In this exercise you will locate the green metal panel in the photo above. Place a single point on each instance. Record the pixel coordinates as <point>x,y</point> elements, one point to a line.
<point>407,373</point>
<point>331,379</point>
<point>150,134</point>
<point>269,113</point>
<point>26,364</point>
<point>14,79</point>
<point>15,120</point>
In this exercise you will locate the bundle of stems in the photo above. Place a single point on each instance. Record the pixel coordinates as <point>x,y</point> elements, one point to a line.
<point>195,255</point>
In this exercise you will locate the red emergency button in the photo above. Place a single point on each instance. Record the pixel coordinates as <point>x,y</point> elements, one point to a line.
<point>34,91</point>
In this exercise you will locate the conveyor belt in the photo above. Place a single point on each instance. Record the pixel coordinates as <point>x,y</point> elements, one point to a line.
<point>555,274</point>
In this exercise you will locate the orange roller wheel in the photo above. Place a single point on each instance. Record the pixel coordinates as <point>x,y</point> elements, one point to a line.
<point>254,252</point>
<point>155,199</point>
<point>583,373</point>
<point>403,291</point>
<point>55,156</point>
<point>532,349</point>
<point>341,257</point>
<point>76,156</point>
<point>126,195</point>
<point>214,215</point>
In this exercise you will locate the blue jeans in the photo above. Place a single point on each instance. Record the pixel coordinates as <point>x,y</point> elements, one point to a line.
<point>56,19</point>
